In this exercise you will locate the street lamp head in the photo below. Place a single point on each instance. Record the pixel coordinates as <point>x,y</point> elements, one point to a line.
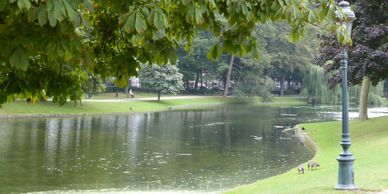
<point>348,17</point>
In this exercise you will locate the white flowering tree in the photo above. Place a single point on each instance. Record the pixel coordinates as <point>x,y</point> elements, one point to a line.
<point>161,78</point>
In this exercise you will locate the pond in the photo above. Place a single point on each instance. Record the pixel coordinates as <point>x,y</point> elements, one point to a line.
<point>183,150</point>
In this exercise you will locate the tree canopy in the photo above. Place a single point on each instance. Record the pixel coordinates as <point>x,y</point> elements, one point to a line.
<point>50,46</point>
<point>369,54</point>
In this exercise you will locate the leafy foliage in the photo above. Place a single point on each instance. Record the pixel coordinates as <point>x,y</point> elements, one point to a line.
<point>288,60</point>
<point>318,92</point>
<point>69,39</point>
<point>369,54</point>
<point>253,85</point>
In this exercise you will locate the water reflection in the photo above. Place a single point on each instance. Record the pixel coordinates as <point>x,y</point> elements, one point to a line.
<point>179,150</point>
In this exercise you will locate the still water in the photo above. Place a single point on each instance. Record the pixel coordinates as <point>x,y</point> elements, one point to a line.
<point>190,150</point>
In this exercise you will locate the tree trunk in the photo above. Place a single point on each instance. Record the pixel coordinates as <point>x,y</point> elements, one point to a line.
<point>196,82</point>
<point>159,91</point>
<point>282,85</point>
<point>363,113</point>
<point>201,78</point>
<point>289,84</point>
<point>187,85</point>
<point>228,76</point>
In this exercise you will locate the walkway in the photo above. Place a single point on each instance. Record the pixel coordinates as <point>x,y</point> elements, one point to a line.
<point>144,99</point>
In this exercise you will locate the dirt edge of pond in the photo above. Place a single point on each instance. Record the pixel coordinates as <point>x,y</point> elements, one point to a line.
<point>303,136</point>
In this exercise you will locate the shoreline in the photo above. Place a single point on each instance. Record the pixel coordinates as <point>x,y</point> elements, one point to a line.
<point>307,141</point>
<point>51,115</point>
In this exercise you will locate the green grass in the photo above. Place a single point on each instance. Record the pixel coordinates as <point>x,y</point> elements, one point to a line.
<point>370,147</point>
<point>89,107</point>
<point>121,95</point>
<point>103,107</point>
<point>286,101</point>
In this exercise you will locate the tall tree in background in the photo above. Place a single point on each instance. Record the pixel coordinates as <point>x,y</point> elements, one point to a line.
<point>194,63</point>
<point>288,59</point>
<point>368,58</point>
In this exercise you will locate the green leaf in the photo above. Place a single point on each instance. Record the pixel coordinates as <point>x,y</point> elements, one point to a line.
<point>215,52</point>
<point>59,10</point>
<point>311,16</point>
<point>60,50</point>
<point>123,18</point>
<point>24,4</point>
<point>185,2</point>
<point>88,5</point>
<point>160,20</point>
<point>52,19</point>
<point>211,4</point>
<point>129,25</point>
<point>242,50</point>
<point>19,59</point>
<point>51,49</point>
<point>2,5</point>
<point>140,23</point>
<point>42,16</point>
<point>198,16</point>
<point>145,11</point>
<point>73,16</point>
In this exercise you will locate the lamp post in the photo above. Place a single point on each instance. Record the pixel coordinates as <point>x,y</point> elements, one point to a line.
<point>345,158</point>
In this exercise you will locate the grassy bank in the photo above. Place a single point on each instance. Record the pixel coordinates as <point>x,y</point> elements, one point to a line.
<point>91,107</point>
<point>112,95</point>
<point>103,107</point>
<point>370,142</point>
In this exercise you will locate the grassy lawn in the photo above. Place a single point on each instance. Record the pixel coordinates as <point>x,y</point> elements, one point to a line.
<point>103,107</point>
<point>22,107</point>
<point>370,142</point>
<point>121,95</point>
<point>285,101</point>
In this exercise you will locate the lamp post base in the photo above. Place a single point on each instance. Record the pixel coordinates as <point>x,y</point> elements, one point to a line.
<point>346,187</point>
<point>346,172</point>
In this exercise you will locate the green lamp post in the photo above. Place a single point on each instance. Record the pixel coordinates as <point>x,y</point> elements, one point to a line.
<point>345,158</point>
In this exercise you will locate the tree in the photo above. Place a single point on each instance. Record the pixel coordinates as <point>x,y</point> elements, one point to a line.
<point>194,63</point>
<point>317,91</point>
<point>65,40</point>
<point>368,58</point>
<point>252,81</point>
<point>161,78</point>
<point>287,58</point>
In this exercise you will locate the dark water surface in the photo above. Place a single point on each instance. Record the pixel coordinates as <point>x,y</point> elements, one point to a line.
<point>197,150</point>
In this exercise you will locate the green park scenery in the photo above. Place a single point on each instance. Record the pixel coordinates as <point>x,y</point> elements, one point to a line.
<point>70,64</point>
<point>369,139</point>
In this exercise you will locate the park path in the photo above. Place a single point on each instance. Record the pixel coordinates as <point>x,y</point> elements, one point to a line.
<point>144,99</point>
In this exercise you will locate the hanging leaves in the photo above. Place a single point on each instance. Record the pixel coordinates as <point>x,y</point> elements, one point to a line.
<point>215,52</point>
<point>24,4</point>
<point>19,59</point>
<point>42,16</point>
<point>160,19</point>
<point>140,23</point>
